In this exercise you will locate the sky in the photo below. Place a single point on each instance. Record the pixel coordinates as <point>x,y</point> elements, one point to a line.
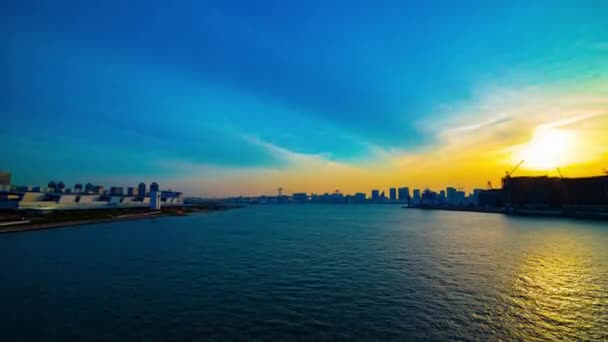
<point>223,98</point>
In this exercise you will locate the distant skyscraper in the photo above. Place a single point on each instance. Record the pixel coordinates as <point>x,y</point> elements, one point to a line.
<point>154,199</point>
<point>404,194</point>
<point>475,197</point>
<point>428,197</point>
<point>416,196</point>
<point>141,189</point>
<point>154,187</point>
<point>299,197</point>
<point>451,195</point>
<point>442,195</point>
<point>359,197</point>
<point>89,187</point>
<point>375,195</point>
<point>116,190</point>
<point>131,191</point>
<point>5,181</point>
<point>78,188</point>
<point>460,198</point>
<point>393,194</point>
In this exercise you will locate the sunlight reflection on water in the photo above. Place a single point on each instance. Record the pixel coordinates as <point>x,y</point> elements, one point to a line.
<point>557,294</point>
<point>314,272</point>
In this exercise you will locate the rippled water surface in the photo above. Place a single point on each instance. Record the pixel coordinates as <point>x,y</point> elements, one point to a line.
<point>309,272</point>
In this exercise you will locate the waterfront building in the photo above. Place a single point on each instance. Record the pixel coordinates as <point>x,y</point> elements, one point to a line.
<point>491,198</point>
<point>141,189</point>
<point>131,191</point>
<point>416,197</point>
<point>451,195</point>
<point>78,188</point>
<point>359,197</point>
<point>65,201</point>
<point>375,195</point>
<point>460,198</point>
<point>474,198</point>
<point>442,196</point>
<point>337,197</point>
<point>116,191</point>
<point>586,193</point>
<point>404,194</point>
<point>89,188</point>
<point>393,194</point>
<point>170,197</point>
<point>428,197</point>
<point>5,181</point>
<point>155,200</point>
<point>299,197</point>
<point>154,187</point>
<point>98,189</point>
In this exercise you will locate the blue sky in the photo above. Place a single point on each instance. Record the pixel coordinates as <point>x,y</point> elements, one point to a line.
<point>179,91</point>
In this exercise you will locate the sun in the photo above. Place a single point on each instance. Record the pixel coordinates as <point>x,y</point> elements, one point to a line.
<point>548,149</point>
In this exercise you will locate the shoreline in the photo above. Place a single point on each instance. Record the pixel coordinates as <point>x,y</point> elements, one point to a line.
<point>568,214</point>
<point>50,225</point>
<point>33,226</point>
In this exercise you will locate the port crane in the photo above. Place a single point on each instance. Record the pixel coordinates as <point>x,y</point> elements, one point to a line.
<point>508,174</point>
<point>490,185</point>
<point>560,172</point>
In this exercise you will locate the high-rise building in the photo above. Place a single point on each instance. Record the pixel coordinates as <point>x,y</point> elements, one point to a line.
<point>155,200</point>
<point>475,196</point>
<point>375,195</point>
<point>460,198</point>
<point>442,195</point>
<point>78,188</point>
<point>98,189</point>
<point>359,197</point>
<point>141,189</point>
<point>428,197</point>
<point>116,191</point>
<point>451,195</point>
<point>5,181</point>
<point>131,191</point>
<point>404,194</point>
<point>154,187</point>
<point>393,194</point>
<point>89,188</point>
<point>416,197</point>
<point>299,197</point>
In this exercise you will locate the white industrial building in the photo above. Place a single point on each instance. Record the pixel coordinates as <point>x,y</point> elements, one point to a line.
<point>30,200</point>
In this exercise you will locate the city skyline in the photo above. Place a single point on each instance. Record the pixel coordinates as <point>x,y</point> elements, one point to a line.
<point>236,98</point>
<point>400,193</point>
